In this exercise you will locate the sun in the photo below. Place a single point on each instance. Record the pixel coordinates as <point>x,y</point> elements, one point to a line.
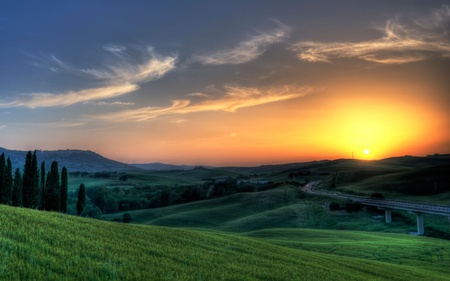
<point>366,151</point>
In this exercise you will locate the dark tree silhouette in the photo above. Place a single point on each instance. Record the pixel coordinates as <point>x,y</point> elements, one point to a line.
<point>2,175</point>
<point>8,182</point>
<point>43,193</point>
<point>64,188</point>
<point>17,189</point>
<point>53,198</point>
<point>81,199</point>
<point>30,182</point>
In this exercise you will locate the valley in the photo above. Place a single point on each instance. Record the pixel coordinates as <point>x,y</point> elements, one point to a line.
<point>265,223</point>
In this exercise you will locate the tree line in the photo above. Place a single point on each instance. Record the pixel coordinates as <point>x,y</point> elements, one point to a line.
<point>34,188</point>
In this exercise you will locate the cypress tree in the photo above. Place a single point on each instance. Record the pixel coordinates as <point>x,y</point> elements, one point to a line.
<point>30,182</point>
<point>81,199</point>
<point>17,189</point>
<point>43,194</point>
<point>8,182</point>
<point>2,175</point>
<point>26,183</point>
<point>64,187</point>
<point>53,198</point>
<point>35,177</point>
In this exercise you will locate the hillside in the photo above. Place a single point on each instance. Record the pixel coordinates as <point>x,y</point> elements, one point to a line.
<point>161,166</point>
<point>282,207</point>
<point>73,160</point>
<point>48,246</point>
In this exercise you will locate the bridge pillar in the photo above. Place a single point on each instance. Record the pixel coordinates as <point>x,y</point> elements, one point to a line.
<point>388,215</point>
<point>420,228</point>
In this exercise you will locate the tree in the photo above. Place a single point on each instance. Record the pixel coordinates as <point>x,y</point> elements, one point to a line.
<point>99,199</point>
<point>334,206</point>
<point>81,199</point>
<point>2,175</point>
<point>17,189</point>
<point>64,188</point>
<point>353,206</point>
<point>53,190</point>
<point>8,183</point>
<point>30,183</point>
<point>126,218</point>
<point>43,193</point>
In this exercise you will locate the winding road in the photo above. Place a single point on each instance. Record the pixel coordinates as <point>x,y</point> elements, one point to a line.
<point>383,203</point>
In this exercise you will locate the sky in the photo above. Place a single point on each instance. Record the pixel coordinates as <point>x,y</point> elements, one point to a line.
<point>226,82</point>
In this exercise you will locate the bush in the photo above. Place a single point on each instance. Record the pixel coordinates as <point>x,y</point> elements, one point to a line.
<point>92,212</point>
<point>334,206</point>
<point>126,218</point>
<point>353,206</point>
<point>377,195</point>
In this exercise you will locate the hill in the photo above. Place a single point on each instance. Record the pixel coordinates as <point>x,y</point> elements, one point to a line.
<point>49,246</point>
<point>282,207</point>
<point>74,160</point>
<point>423,179</point>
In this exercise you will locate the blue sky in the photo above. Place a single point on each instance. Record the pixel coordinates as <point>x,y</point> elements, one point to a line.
<point>225,82</point>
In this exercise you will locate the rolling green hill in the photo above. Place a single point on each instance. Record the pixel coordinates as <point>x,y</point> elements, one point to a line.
<point>281,207</point>
<point>39,245</point>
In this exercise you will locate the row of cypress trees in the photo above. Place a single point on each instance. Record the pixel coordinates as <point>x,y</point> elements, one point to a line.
<point>31,190</point>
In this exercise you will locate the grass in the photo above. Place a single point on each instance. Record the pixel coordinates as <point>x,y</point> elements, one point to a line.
<point>420,252</point>
<point>142,178</point>
<point>275,208</point>
<point>49,246</point>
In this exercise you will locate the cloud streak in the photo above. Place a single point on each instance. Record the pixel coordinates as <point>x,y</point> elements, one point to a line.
<point>119,78</point>
<point>72,97</point>
<point>245,51</point>
<point>234,99</point>
<point>154,67</point>
<point>405,42</point>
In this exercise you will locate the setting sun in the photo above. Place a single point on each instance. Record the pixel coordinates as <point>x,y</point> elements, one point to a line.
<point>366,151</point>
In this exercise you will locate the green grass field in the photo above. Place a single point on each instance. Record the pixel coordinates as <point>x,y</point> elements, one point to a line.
<point>398,249</point>
<point>274,208</point>
<point>277,234</point>
<point>38,245</point>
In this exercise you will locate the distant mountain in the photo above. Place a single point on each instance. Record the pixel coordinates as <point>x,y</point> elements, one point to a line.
<point>162,167</point>
<point>73,160</point>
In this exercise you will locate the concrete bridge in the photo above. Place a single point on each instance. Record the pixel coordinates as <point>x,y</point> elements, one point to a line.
<point>418,209</point>
<point>388,205</point>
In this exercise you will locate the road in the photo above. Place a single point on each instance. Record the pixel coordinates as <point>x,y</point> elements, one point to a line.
<point>383,203</point>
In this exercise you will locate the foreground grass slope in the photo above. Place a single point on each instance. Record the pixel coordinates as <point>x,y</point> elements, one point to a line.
<point>38,245</point>
<point>422,252</point>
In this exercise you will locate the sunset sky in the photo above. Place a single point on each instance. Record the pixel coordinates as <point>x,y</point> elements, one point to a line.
<point>226,82</point>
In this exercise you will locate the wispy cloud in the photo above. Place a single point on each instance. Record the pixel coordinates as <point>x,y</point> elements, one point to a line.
<point>114,103</point>
<point>119,77</point>
<point>234,99</point>
<point>52,100</point>
<point>122,70</point>
<point>247,50</point>
<point>199,95</point>
<point>60,124</point>
<point>145,113</point>
<point>403,41</point>
<point>112,48</point>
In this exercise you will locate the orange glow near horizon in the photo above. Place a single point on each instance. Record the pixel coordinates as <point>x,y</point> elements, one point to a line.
<point>387,125</point>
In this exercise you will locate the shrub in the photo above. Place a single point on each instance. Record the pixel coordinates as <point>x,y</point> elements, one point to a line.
<point>353,206</point>
<point>377,195</point>
<point>334,206</point>
<point>126,218</point>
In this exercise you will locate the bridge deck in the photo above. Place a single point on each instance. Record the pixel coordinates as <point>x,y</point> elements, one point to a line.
<point>408,206</point>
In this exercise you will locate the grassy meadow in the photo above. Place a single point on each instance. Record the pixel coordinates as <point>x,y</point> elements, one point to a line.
<point>282,207</point>
<point>38,245</point>
<point>274,233</point>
